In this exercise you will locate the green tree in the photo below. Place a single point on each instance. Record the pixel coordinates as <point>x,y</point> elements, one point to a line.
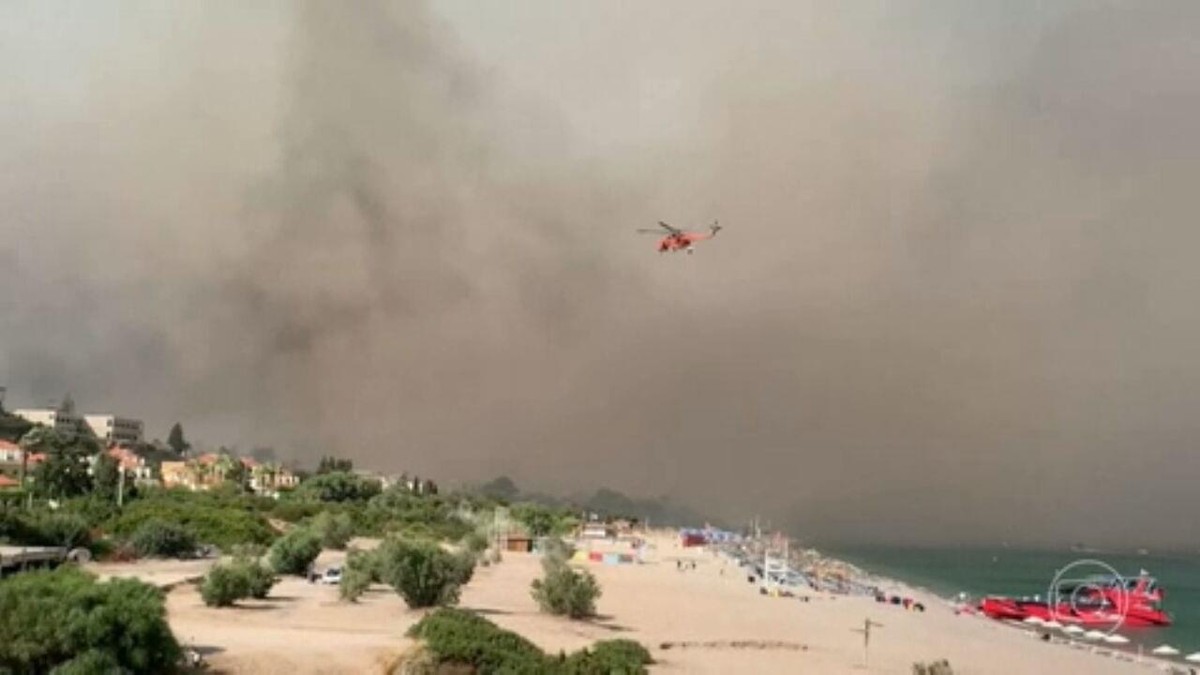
<point>106,476</point>
<point>176,441</point>
<point>66,619</point>
<point>502,488</point>
<point>564,591</point>
<point>295,551</point>
<point>332,464</point>
<point>538,519</point>
<point>335,530</point>
<point>164,539</point>
<point>422,572</point>
<point>64,472</point>
<point>338,486</point>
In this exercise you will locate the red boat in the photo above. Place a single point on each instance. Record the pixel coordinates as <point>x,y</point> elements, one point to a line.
<point>1099,601</point>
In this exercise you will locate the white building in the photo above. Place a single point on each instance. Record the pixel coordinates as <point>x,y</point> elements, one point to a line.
<point>59,419</point>
<point>113,429</point>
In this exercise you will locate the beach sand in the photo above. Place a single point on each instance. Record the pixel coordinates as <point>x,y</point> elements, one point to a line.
<point>305,629</point>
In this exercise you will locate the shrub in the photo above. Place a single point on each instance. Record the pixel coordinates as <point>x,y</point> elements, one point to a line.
<point>422,572</point>
<point>295,551</point>
<point>338,486</point>
<point>358,574</point>
<point>227,583</point>
<point>475,542</point>
<point>335,531</point>
<point>566,592</point>
<point>260,579</point>
<point>160,539</point>
<point>457,636</point>
<point>223,520</point>
<point>223,586</point>
<point>52,529</point>
<point>609,657</point>
<point>65,618</point>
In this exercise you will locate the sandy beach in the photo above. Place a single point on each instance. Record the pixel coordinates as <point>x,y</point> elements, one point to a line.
<point>703,620</point>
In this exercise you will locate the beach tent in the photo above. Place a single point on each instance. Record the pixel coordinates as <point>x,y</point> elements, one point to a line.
<point>1164,650</point>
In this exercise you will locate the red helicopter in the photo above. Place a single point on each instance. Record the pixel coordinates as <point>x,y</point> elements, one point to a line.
<point>680,240</point>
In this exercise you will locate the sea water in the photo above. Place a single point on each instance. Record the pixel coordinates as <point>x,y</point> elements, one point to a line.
<point>1016,573</point>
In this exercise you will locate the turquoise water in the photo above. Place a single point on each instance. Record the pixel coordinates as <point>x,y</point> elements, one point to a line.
<point>1004,571</point>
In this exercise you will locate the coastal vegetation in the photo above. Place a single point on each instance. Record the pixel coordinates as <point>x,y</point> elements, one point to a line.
<point>66,622</point>
<point>429,545</point>
<point>563,591</point>
<point>295,551</point>
<point>459,638</point>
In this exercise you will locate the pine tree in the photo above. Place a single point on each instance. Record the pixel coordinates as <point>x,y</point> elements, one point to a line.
<point>176,441</point>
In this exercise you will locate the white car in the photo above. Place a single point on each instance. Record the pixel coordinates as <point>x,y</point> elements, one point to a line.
<point>332,576</point>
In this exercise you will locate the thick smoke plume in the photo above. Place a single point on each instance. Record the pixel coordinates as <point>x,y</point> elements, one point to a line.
<point>952,299</point>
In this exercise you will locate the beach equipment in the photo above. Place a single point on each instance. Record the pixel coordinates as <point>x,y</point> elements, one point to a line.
<point>1116,639</point>
<point>1093,635</point>
<point>1194,657</point>
<point>1053,624</point>
<point>1034,621</point>
<point>1164,650</point>
<point>1073,630</point>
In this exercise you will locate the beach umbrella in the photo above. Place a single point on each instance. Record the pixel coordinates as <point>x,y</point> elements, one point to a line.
<point>1116,639</point>
<point>1034,621</point>
<point>1073,629</point>
<point>1053,624</point>
<point>1093,635</point>
<point>1164,650</point>
<point>1193,657</point>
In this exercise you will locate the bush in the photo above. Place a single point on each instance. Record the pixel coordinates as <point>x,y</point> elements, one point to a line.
<point>44,528</point>
<point>65,618</point>
<point>457,636</point>
<point>260,579</point>
<point>295,551</point>
<point>475,542</point>
<point>224,520</point>
<point>337,486</point>
<point>335,531</point>
<point>566,592</point>
<point>160,539</point>
<point>358,574</point>
<point>223,586</point>
<point>609,657</point>
<point>422,572</point>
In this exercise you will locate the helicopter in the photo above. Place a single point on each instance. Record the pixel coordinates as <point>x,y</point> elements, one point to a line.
<point>680,240</point>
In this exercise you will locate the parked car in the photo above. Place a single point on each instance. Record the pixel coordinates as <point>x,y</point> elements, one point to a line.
<point>332,576</point>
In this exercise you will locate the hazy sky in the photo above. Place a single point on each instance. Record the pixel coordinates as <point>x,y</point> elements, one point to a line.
<point>954,298</point>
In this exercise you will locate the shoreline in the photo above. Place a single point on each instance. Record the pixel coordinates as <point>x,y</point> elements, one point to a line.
<point>890,583</point>
<point>703,617</point>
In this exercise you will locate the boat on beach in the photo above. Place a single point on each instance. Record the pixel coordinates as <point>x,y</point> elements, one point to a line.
<point>1097,601</point>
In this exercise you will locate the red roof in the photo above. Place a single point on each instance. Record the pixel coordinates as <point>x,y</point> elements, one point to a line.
<point>6,482</point>
<point>37,457</point>
<point>8,445</point>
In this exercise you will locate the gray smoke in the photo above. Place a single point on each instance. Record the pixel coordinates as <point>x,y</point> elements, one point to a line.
<point>952,300</point>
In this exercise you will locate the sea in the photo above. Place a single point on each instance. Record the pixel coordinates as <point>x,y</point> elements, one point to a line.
<point>977,572</point>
